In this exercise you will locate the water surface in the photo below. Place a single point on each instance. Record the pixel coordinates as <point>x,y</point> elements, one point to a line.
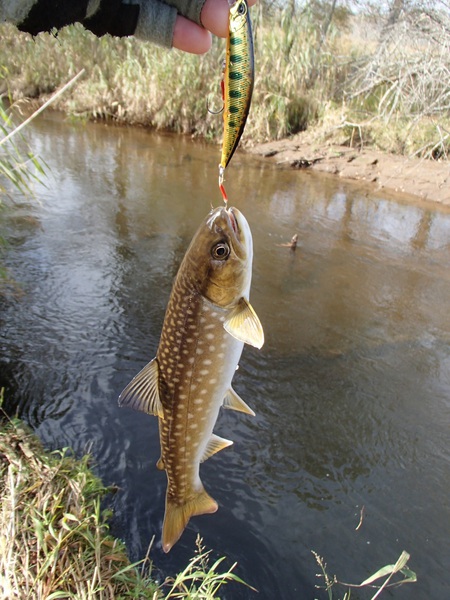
<point>351,388</point>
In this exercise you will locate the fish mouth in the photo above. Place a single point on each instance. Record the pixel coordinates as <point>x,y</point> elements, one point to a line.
<point>233,220</point>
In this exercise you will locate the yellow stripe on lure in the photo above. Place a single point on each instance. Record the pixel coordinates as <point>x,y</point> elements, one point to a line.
<point>238,82</point>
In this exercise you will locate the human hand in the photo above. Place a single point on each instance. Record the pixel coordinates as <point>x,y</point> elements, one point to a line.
<point>190,37</point>
<point>185,24</point>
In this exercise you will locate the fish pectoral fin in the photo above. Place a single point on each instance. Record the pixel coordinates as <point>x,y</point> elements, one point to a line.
<point>177,516</point>
<point>215,444</point>
<point>142,393</point>
<point>244,324</point>
<point>235,402</point>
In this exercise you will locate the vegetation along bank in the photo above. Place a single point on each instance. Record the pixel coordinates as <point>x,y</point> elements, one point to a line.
<point>54,535</point>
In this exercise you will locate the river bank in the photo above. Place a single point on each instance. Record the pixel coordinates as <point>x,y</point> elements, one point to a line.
<point>55,538</point>
<point>410,178</point>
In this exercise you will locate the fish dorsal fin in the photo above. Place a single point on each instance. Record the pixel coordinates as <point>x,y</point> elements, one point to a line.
<point>214,445</point>
<point>244,324</point>
<point>142,393</point>
<point>235,402</point>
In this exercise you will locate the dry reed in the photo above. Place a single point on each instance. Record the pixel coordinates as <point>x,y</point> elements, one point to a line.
<point>387,89</point>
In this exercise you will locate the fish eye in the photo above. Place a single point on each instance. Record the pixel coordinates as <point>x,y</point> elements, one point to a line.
<point>220,251</point>
<point>241,8</point>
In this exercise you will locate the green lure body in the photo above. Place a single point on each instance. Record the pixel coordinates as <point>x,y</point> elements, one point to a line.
<point>238,79</point>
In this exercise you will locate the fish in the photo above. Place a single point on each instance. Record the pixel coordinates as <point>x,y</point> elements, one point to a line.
<point>238,81</point>
<point>208,320</point>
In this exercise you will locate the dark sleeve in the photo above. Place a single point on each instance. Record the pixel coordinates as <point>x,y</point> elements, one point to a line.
<point>110,17</point>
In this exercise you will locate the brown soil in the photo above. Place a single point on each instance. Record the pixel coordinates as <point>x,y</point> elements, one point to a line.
<point>425,179</point>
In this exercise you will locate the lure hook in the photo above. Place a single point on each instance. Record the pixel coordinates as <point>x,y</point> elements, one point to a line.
<point>214,112</point>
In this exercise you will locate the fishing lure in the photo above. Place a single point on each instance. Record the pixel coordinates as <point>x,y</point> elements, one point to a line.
<point>238,82</point>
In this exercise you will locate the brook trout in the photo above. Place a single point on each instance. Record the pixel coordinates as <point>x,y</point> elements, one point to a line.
<point>208,320</point>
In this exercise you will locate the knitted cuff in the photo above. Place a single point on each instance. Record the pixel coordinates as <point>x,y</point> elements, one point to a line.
<point>191,9</point>
<point>156,22</point>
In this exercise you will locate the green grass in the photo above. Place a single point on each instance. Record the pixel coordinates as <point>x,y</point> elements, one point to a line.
<point>54,536</point>
<point>389,576</point>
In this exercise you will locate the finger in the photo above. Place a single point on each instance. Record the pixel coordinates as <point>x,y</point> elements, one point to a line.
<point>190,37</point>
<point>215,16</point>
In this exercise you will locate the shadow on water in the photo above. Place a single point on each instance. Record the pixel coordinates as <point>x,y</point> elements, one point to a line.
<point>351,388</point>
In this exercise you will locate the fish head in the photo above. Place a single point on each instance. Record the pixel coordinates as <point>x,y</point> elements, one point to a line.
<point>238,15</point>
<point>220,257</point>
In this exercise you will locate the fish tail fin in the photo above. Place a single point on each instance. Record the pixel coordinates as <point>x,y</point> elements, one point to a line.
<point>177,516</point>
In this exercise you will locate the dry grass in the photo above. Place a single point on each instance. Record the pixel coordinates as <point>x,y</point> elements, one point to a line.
<point>391,88</point>
<point>138,83</point>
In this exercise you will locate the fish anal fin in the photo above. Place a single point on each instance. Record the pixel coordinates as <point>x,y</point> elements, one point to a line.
<point>235,402</point>
<point>142,393</point>
<point>177,516</point>
<point>215,444</point>
<point>243,324</point>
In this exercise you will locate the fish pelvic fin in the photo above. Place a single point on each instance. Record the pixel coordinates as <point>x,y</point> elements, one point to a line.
<point>235,402</point>
<point>142,393</point>
<point>177,516</point>
<point>215,444</point>
<point>243,324</point>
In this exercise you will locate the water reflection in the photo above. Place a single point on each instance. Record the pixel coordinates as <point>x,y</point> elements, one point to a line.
<point>351,389</point>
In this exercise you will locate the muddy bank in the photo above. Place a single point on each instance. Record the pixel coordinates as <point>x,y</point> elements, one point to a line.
<point>424,179</point>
